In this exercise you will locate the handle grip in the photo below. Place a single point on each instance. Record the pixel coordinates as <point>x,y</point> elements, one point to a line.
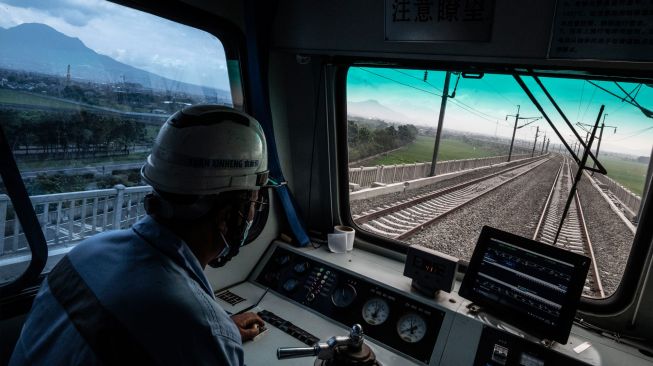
<point>295,352</point>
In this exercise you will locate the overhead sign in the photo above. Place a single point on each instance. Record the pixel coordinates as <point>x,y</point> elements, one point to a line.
<point>438,20</point>
<point>603,29</point>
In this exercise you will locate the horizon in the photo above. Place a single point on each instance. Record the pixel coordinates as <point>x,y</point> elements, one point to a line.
<point>449,129</point>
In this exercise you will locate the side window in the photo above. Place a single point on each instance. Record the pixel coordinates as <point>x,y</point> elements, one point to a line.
<point>497,162</point>
<point>83,92</point>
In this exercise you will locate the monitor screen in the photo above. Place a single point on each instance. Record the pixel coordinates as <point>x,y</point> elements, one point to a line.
<point>532,285</point>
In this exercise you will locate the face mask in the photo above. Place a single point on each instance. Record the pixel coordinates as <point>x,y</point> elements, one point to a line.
<point>238,215</point>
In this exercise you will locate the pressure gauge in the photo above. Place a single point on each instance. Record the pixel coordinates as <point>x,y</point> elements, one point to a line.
<point>343,296</point>
<point>376,311</point>
<point>290,284</point>
<point>411,328</point>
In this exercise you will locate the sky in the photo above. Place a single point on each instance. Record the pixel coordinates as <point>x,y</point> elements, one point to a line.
<point>482,105</point>
<point>132,37</point>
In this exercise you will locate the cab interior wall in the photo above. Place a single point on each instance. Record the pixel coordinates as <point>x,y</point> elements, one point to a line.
<point>297,100</point>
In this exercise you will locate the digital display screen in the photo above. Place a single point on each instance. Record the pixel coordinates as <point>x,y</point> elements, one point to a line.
<point>427,266</point>
<point>533,285</point>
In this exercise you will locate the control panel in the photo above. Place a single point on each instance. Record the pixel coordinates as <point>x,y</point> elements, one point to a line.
<point>500,348</point>
<point>393,319</point>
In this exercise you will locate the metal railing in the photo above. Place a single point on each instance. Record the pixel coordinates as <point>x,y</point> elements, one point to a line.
<point>365,176</point>
<point>67,218</point>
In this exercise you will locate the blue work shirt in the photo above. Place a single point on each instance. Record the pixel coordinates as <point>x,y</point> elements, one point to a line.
<point>152,283</point>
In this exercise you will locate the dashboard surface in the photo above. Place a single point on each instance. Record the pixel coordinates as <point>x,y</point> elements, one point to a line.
<point>286,284</point>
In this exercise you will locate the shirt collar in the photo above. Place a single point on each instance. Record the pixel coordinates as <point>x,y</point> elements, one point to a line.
<point>163,239</point>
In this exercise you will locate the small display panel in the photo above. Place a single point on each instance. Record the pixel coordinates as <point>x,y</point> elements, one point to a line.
<point>532,285</point>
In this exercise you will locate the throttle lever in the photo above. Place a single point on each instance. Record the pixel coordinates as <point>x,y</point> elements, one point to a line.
<point>324,350</point>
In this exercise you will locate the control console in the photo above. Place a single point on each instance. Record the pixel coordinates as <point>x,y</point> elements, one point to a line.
<point>389,317</point>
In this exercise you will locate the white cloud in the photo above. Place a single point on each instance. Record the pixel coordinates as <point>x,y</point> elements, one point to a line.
<point>141,40</point>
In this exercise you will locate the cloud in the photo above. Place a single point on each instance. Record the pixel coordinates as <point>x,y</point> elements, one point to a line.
<point>74,12</point>
<point>130,36</point>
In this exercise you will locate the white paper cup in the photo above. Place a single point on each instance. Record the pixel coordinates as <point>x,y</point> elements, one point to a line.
<point>337,242</point>
<point>351,233</point>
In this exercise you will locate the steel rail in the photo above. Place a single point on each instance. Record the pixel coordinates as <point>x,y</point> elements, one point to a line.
<point>361,219</point>
<point>588,243</point>
<point>546,204</point>
<point>575,232</point>
<point>402,230</point>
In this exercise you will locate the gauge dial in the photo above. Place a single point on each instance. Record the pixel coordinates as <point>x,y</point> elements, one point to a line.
<point>411,328</point>
<point>343,295</point>
<point>290,284</point>
<point>376,311</point>
<point>301,267</point>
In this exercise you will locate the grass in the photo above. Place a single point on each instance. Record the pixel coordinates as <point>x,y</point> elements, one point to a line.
<point>16,97</point>
<point>421,150</point>
<point>628,173</point>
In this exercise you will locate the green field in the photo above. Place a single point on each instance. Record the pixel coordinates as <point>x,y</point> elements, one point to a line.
<point>15,97</point>
<point>421,150</point>
<point>630,174</point>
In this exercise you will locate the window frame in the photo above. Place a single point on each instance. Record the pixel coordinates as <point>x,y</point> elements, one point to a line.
<point>18,297</point>
<point>625,293</point>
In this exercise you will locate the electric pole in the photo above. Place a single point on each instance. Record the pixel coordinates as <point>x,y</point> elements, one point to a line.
<point>535,143</point>
<point>517,118</point>
<point>443,106</point>
<point>543,141</point>
<point>547,145</point>
<point>598,145</point>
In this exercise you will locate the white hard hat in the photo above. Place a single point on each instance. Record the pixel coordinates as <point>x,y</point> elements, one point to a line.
<point>205,150</point>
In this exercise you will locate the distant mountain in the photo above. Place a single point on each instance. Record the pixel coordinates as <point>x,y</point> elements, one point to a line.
<point>373,109</point>
<point>39,48</point>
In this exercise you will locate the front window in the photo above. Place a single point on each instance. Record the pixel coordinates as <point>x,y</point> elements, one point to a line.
<point>84,88</point>
<point>497,161</point>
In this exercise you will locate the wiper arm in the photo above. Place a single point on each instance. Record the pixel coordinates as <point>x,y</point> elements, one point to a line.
<point>600,168</point>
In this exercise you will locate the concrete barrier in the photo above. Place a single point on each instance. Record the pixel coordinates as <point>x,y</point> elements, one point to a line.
<point>387,174</point>
<point>421,182</point>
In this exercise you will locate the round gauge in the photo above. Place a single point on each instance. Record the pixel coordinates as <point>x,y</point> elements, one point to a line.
<point>376,311</point>
<point>301,267</point>
<point>290,284</point>
<point>343,296</point>
<point>411,328</point>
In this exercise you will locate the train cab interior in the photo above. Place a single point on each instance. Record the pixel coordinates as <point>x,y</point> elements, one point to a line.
<point>452,182</point>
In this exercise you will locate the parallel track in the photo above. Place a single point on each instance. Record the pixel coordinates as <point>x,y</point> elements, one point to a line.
<point>573,234</point>
<point>408,217</point>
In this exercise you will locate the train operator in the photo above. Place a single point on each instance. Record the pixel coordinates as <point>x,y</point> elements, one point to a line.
<point>140,296</point>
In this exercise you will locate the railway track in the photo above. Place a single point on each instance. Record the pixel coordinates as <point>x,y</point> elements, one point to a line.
<point>573,234</point>
<point>405,218</point>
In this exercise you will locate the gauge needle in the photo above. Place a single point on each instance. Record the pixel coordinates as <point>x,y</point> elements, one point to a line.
<point>410,329</point>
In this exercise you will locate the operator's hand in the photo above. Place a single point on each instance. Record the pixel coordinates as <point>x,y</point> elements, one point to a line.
<point>248,325</point>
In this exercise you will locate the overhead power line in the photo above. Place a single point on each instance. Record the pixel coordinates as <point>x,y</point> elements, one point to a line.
<point>458,103</point>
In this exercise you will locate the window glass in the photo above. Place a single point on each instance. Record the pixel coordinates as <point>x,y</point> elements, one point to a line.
<point>84,88</point>
<point>485,176</point>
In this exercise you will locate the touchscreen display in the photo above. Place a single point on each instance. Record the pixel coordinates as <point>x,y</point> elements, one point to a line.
<point>532,285</point>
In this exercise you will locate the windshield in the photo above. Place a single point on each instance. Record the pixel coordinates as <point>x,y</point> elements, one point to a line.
<point>433,171</point>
